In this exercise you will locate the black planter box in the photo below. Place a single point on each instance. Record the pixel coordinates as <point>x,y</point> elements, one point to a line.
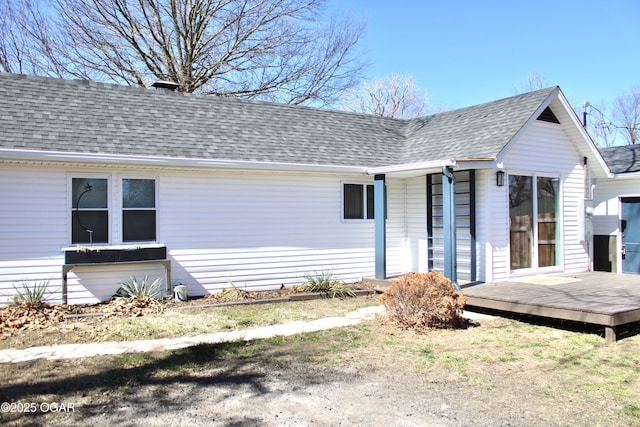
<point>92,256</point>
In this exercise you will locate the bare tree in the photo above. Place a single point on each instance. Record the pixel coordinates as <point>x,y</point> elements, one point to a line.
<point>598,124</point>
<point>27,42</point>
<point>278,50</point>
<point>13,43</point>
<point>534,81</point>
<point>395,96</point>
<point>626,115</point>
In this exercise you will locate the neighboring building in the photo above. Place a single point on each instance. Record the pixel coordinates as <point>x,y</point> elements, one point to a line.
<point>616,212</point>
<point>262,194</point>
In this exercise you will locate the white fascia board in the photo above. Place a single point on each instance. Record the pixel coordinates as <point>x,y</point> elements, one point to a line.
<point>415,169</point>
<point>411,167</point>
<point>168,162</point>
<point>584,134</point>
<point>629,175</point>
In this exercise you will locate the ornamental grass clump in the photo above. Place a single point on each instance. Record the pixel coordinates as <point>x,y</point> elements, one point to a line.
<point>29,309</point>
<point>31,296</point>
<point>134,296</point>
<point>325,283</point>
<point>420,301</point>
<point>233,294</point>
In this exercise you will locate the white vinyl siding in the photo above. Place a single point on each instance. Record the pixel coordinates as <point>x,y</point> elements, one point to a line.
<point>546,150</point>
<point>397,250</point>
<point>33,227</point>
<point>265,230</point>
<point>417,238</point>
<point>259,230</point>
<point>606,203</point>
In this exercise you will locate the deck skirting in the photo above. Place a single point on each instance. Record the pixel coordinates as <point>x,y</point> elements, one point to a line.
<point>606,299</point>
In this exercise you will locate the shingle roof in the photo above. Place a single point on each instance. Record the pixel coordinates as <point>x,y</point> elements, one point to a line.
<point>623,159</point>
<point>477,132</point>
<point>38,113</point>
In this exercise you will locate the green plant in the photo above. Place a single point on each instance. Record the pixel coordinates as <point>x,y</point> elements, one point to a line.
<point>424,300</point>
<point>140,293</point>
<point>30,296</point>
<point>325,282</point>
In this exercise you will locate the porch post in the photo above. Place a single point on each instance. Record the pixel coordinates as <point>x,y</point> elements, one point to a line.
<point>379,196</point>
<point>449,220</point>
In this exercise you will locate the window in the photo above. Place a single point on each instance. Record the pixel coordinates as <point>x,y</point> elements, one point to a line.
<point>547,207</point>
<point>533,221</point>
<point>91,211</point>
<point>138,210</point>
<point>358,201</point>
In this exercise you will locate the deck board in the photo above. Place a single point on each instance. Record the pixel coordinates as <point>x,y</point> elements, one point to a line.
<point>599,298</point>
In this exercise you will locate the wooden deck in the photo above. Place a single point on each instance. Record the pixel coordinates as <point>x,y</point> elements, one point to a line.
<point>598,298</point>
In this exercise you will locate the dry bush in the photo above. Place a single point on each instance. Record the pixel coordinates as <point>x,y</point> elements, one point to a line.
<point>424,300</point>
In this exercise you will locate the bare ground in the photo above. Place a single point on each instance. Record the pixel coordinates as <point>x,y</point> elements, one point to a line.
<point>498,372</point>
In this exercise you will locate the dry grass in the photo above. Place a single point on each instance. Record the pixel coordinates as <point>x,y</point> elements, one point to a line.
<point>177,321</point>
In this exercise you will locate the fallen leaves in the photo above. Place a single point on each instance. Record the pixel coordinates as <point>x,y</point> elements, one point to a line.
<point>26,316</point>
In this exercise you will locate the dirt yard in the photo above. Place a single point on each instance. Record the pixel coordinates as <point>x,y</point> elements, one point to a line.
<point>497,372</point>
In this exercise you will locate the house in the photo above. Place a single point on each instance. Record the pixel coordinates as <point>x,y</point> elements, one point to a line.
<point>261,194</point>
<point>616,212</point>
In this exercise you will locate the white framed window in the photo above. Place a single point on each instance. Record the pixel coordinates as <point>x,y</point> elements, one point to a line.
<point>358,201</point>
<point>111,210</point>
<point>138,210</point>
<point>534,221</point>
<point>90,204</point>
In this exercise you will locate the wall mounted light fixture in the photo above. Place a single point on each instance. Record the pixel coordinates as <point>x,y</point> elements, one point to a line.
<point>500,178</point>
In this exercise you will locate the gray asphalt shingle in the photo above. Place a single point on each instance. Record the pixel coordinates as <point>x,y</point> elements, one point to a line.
<point>623,159</point>
<point>38,113</point>
<point>477,132</point>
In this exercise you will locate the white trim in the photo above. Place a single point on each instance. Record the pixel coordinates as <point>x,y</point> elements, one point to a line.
<point>559,267</point>
<point>619,234</point>
<point>364,199</point>
<point>628,175</point>
<point>120,178</point>
<point>583,132</point>
<point>114,206</point>
<point>532,119</point>
<point>70,209</point>
<point>411,167</point>
<point>179,162</point>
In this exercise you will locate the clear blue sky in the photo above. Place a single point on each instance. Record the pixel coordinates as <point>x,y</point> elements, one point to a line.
<point>465,52</point>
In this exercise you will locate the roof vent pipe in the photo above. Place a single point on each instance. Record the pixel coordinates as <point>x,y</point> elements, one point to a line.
<point>166,85</point>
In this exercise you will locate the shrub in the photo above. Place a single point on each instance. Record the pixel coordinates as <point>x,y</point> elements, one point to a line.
<point>424,300</point>
<point>324,282</point>
<point>134,294</point>
<point>31,297</point>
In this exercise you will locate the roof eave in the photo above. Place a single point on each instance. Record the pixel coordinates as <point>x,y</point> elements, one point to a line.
<point>625,175</point>
<point>13,155</point>
<point>408,170</point>
<point>593,149</point>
